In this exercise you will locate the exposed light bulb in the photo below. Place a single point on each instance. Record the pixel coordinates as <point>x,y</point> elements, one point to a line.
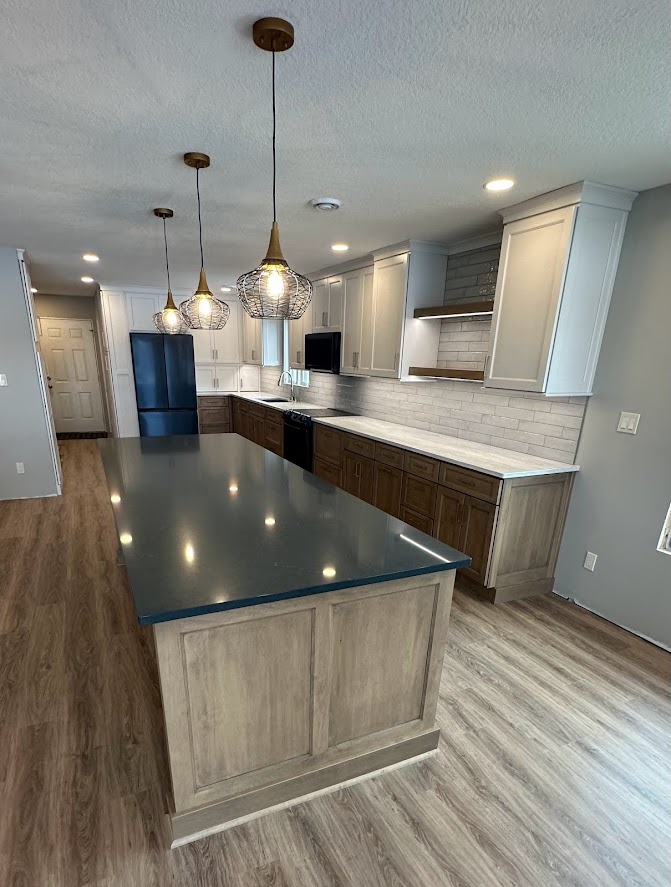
<point>328,572</point>
<point>172,318</point>
<point>33,289</point>
<point>275,284</point>
<point>189,553</point>
<point>125,538</point>
<point>270,521</point>
<point>233,488</point>
<point>91,257</point>
<point>115,498</point>
<point>87,279</point>
<point>204,306</point>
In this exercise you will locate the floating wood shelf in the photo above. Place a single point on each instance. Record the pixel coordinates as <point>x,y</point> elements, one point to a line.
<point>448,373</point>
<point>453,312</point>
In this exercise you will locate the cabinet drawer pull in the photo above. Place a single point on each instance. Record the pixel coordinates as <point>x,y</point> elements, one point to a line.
<point>298,354</point>
<point>324,318</point>
<point>216,354</point>
<point>396,356</point>
<point>253,354</point>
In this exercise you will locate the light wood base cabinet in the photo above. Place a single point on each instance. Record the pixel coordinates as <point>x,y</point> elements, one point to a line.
<point>347,684</point>
<point>511,529</point>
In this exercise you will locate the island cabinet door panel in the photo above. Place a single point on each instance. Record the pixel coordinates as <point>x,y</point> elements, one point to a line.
<point>387,489</point>
<point>380,646</point>
<point>477,532</point>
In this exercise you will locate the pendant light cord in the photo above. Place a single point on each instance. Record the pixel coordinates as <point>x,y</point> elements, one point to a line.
<point>167,266</point>
<point>274,161</point>
<point>200,225</point>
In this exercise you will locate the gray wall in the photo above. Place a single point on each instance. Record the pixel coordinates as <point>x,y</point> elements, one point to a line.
<point>23,424</point>
<point>65,306</point>
<point>623,490</point>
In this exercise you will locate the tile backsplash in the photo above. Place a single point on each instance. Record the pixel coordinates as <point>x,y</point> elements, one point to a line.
<point>526,423</point>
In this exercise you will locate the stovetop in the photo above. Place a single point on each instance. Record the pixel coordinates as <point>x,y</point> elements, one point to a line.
<point>303,414</point>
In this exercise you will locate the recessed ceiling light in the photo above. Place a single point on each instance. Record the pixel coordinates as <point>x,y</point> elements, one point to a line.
<point>498,185</point>
<point>32,289</point>
<point>227,289</point>
<point>326,204</point>
<point>339,247</point>
<point>87,280</point>
<point>91,257</point>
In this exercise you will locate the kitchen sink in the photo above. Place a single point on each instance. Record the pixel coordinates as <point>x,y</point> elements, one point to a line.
<point>275,400</point>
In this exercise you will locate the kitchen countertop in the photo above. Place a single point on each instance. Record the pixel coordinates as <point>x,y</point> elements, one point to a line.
<point>282,406</point>
<point>192,544</point>
<point>469,454</point>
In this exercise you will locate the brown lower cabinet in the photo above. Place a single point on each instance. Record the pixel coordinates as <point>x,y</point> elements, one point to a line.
<point>466,523</point>
<point>357,476</point>
<point>387,485</point>
<point>327,471</point>
<point>419,521</point>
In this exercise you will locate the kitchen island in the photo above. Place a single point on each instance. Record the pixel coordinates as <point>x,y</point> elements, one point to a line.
<point>299,631</point>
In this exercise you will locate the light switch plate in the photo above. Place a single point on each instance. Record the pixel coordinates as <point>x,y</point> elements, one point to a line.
<point>628,423</point>
<point>3,380</point>
<point>590,561</point>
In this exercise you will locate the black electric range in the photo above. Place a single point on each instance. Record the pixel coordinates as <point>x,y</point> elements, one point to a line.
<point>298,447</point>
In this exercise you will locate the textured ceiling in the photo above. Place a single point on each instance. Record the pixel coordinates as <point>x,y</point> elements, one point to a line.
<point>401,109</point>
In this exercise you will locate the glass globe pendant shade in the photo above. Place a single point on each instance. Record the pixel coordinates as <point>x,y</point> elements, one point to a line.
<point>274,289</point>
<point>170,321</point>
<point>202,311</point>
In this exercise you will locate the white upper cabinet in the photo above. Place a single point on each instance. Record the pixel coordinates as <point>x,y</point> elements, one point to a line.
<point>357,322</point>
<point>251,340</point>
<point>327,304</point>
<point>558,261</point>
<point>261,341</point>
<point>298,330</point>
<point>140,310</point>
<point>389,291</point>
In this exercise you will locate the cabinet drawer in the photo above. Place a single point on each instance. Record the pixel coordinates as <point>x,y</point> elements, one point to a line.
<point>389,455</point>
<point>482,486</point>
<point>224,428</point>
<point>255,409</point>
<point>421,466</point>
<point>418,521</point>
<point>419,495</point>
<point>213,402</point>
<point>274,446</point>
<point>362,446</point>
<point>207,417</point>
<point>328,443</point>
<point>327,471</point>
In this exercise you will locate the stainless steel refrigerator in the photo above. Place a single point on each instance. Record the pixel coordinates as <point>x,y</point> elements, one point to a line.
<point>165,384</point>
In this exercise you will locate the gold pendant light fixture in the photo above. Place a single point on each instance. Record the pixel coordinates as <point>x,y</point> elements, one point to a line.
<point>274,289</point>
<point>202,311</point>
<point>169,320</point>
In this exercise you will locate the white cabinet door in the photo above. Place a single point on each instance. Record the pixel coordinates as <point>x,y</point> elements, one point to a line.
<point>249,378</point>
<point>320,305</point>
<point>226,377</point>
<point>298,330</point>
<point>534,256</point>
<point>226,342</point>
<point>389,289</point>
<point>251,340</point>
<point>203,346</point>
<point>140,310</point>
<point>205,378</point>
<point>335,288</point>
<point>352,289</point>
<point>365,353</point>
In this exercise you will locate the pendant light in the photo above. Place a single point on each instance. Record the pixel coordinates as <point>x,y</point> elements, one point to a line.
<point>202,311</point>
<point>169,320</point>
<point>273,289</point>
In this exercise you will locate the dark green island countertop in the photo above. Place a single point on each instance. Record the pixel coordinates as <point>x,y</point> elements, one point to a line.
<point>216,522</point>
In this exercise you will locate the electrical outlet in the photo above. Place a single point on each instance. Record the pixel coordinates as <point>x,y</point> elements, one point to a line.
<point>3,380</point>
<point>590,561</point>
<point>20,468</point>
<point>628,423</point>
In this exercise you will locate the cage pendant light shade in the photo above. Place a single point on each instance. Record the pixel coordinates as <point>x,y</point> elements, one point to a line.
<point>202,311</point>
<point>168,321</point>
<point>274,289</point>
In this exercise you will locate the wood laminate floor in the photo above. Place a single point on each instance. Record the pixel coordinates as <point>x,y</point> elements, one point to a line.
<point>554,767</point>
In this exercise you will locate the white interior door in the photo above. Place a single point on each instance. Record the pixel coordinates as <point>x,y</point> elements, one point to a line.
<point>69,352</point>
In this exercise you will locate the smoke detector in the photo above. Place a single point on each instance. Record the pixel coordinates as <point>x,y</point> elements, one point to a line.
<point>326,203</point>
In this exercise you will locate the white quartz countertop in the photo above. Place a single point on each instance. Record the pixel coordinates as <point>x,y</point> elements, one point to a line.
<point>480,457</point>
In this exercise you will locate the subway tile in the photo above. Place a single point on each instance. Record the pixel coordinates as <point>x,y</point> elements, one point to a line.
<point>549,453</point>
<point>539,427</point>
<point>558,419</point>
<point>493,400</point>
<point>571,433</point>
<point>568,409</point>
<point>525,436</point>
<point>515,413</point>
<point>523,403</point>
<point>515,445</point>
<point>459,283</point>
<point>560,443</point>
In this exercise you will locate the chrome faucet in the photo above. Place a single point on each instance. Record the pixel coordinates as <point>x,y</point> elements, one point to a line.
<point>291,382</point>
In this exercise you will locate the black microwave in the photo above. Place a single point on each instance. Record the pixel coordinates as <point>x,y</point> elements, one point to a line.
<point>322,352</point>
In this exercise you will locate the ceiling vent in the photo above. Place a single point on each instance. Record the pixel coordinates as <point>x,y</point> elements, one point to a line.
<point>326,203</point>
